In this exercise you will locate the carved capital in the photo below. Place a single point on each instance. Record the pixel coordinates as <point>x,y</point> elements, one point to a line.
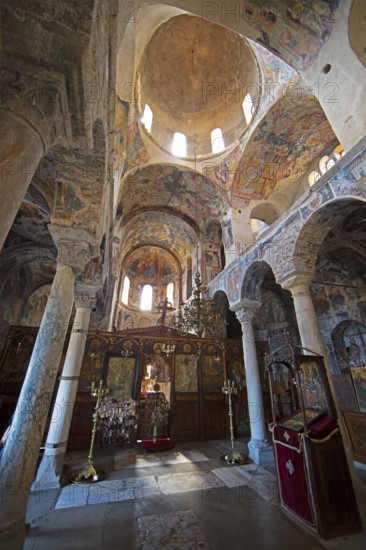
<point>245,310</point>
<point>85,296</point>
<point>297,284</point>
<point>74,246</point>
<point>38,97</point>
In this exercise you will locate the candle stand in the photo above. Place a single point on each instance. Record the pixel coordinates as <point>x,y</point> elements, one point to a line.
<point>232,456</point>
<point>89,474</point>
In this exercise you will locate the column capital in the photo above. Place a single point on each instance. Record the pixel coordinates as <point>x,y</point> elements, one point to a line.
<point>298,283</point>
<point>40,98</point>
<point>246,310</point>
<point>85,295</point>
<point>74,246</point>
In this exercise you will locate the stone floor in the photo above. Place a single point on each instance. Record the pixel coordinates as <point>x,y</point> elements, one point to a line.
<point>186,498</point>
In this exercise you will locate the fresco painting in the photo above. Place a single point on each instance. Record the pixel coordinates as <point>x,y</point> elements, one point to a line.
<point>185,191</point>
<point>120,135</point>
<point>136,150</point>
<point>299,131</point>
<point>233,284</point>
<point>170,232</point>
<point>150,264</point>
<point>294,30</point>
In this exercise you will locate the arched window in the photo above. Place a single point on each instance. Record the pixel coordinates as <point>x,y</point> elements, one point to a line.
<point>217,141</point>
<point>313,177</point>
<point>147,118</point>
<point>330,163</point>
<point>323,164</point>
<point>248,107</point>
<point>338,152</point>
<point>170,293</point>
<point>146,298</point>
<point>179,147</point>
<point>126,290</point>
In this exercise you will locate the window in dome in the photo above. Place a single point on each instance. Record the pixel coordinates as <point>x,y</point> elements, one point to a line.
<point>217,141</point>
<point>179,147</point>
<point>170,293</point>
<point>147,118</point>
<point>146,298</point>
<point>329,163</point>
<point>323,164</point>
<point>248,107</point>
<point>126,290</point>
<point>313,177</point>
<point>338,152</point>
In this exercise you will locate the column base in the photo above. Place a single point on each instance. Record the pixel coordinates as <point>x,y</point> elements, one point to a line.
<point>50,474</point>
<point>260,452</point>
<point>14,537</point>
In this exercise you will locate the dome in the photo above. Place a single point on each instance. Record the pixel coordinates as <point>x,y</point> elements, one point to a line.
<point>194,75</point>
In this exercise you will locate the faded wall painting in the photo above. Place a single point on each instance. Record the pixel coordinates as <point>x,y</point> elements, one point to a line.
<point>120,376</point>
<point>294,30</point>
<point>186,373</point>
<point>212,374</point>
<point>298,130</point>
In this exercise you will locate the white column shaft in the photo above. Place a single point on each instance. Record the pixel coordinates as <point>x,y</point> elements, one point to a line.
<point>254,389</point>
<point>63,409</point>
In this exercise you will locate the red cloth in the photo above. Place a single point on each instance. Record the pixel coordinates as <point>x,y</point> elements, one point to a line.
<point>322,427</point>
<point>292,473</point>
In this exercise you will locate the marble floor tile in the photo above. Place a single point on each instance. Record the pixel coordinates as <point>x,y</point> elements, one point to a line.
<point>189,481</point>
<point>73,495</point>
<point>172,531</point>
<point>146,461</point>
<point>231,476</point>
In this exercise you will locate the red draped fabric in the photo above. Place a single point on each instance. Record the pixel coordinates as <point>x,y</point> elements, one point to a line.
<point>292,473</point>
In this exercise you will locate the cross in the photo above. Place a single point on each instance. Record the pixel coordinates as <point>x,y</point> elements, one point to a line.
<point>164,307</point>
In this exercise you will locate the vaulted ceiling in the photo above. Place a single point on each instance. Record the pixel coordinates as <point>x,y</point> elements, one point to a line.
<point>115,178</point>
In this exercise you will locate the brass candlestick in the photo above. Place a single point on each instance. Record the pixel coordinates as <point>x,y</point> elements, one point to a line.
<point>89,474</point>
<point>232,456</point>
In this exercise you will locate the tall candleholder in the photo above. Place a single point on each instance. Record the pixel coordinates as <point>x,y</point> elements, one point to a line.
<point>232,456</point>
<point>89,474</point>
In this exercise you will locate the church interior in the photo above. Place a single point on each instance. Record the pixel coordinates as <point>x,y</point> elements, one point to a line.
<point>182,274</point>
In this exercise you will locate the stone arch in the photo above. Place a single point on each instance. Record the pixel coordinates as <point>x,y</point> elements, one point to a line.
<point>233,329</point>
<point>317,227</point>
<point>253,279</point>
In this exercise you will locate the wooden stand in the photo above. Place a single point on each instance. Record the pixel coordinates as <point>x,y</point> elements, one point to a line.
<point>314,480</point>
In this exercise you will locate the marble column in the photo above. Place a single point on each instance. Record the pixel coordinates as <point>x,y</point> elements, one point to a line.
<point>260,450</point>
<point>21,149</point>
<point>50,469</point>
<point>33,115</point>
<point>20,457</point>
<point>307,320</point>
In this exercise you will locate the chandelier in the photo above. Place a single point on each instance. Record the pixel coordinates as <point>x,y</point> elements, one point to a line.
<point>197,316</point>
<point>169,348</point>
